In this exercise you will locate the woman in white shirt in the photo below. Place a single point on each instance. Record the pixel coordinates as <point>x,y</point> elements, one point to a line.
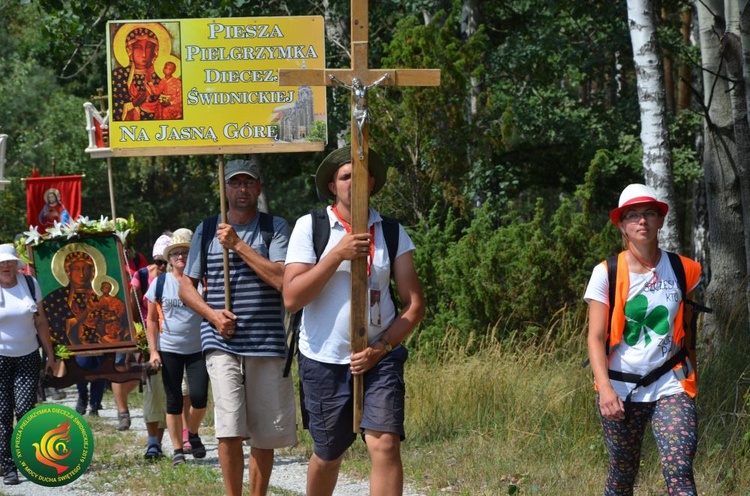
<point>643,336</point>
<point>175,347</point>
<point>23,326</point>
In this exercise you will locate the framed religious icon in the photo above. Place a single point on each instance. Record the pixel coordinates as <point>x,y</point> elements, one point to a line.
<point>84,286</point>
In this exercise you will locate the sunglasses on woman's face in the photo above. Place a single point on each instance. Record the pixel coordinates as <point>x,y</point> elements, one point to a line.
<point>160,263</point>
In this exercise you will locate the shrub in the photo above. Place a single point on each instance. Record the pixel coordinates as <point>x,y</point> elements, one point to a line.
<point>510,276</point>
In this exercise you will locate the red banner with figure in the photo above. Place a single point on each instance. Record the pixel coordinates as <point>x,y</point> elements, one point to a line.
<point>50,199</point>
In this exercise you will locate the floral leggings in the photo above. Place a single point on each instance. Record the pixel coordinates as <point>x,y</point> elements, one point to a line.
<point>674,421</point>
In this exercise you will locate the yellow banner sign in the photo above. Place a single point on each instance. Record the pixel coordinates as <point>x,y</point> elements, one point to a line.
<point>192,86</point>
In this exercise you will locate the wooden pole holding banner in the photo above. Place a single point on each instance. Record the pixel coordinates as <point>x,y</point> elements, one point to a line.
<point>102,98</point>
<point>223,201</point>
<point>111,188</point>
<point>359,79</point>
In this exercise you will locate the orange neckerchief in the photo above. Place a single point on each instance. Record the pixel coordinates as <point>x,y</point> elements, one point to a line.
<point>348,228</point>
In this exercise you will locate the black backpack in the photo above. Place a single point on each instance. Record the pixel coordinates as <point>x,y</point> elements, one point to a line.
<point>321,232</point>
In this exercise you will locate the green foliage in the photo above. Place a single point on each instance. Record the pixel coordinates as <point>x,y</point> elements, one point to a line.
<point>558,104</point>
<point>424,133</point>
<point>318,131</point>
<point>507,278</point>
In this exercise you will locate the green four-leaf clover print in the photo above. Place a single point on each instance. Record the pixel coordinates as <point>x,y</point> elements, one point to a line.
<point>637,320</point>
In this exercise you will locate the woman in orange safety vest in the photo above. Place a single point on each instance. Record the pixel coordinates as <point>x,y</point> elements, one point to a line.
<point>637,351</point>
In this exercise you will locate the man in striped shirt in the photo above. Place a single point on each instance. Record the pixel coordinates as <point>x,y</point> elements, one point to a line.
<point>244,346</point>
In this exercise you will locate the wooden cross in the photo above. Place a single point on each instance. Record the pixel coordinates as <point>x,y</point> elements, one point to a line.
<point>358,79</point>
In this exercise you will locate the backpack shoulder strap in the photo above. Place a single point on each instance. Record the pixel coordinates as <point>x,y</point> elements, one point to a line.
<point>158,297</point>
<point>160,287</point>
<point>391,235</point>
<point>30,284</point>
<point>679,272</point>
<point>207,235</point>
<point>32,289</point>
<point>612,277</point>
<point>321,231</point>
<point>143,279</point>
<point>265,223</point>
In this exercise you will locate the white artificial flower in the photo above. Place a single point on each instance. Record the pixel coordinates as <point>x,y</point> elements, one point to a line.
<point>70,230</point>
<point>85,221</point>
<point>32,235</point>
<point>123,235</point>
<point>55,231</point>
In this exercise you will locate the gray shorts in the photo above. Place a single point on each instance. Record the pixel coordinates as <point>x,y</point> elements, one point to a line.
<point>328,401</point>
<point>252,399</point>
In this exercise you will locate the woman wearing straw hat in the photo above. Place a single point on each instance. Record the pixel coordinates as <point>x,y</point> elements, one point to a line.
<point>640,369</point>
<point>174,339</point>
<point>23,325</point>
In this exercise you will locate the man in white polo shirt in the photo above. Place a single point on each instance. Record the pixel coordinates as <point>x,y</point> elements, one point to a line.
<point>326,363</point>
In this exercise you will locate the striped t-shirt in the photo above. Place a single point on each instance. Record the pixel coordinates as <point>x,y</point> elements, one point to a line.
<point>258,306</point>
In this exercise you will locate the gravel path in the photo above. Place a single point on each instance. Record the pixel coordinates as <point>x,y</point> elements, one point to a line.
<point>289,472</point>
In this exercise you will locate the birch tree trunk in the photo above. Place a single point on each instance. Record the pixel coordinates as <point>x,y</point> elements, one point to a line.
<point>727,256</point>
<point>732,50</point>
<point>469,24</point>
<point>657,157</point>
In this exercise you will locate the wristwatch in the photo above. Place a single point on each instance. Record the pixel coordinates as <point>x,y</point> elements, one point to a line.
<point>386,345</point>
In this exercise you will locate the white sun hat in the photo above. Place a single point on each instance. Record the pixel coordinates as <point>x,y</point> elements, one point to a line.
<point>8,252</point>
<point>637,194</point>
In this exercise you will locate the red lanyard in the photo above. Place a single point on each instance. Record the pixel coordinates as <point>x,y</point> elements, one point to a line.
<point>348,228</point>
<point>648,266</point>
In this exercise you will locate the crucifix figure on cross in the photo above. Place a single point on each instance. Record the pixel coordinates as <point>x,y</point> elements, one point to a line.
<point>361,112</point>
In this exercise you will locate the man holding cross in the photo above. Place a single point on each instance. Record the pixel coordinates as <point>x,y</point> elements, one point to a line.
<point>326,362</point>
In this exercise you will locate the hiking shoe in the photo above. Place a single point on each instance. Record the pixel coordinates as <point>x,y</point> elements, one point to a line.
<point>196,445</point>
<point>93,412</point>
<point>81,405</point>
<point>178,459</point>
<point>124,421</point>
<point>153,452</point>
<point>11,478</point>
